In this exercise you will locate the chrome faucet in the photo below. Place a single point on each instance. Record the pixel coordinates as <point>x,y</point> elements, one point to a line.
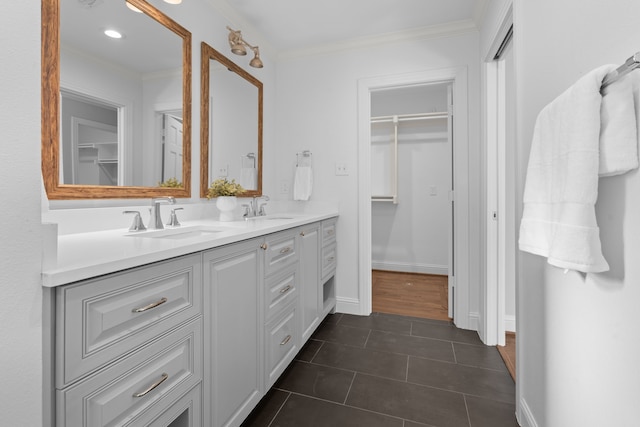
<point>255,208</point>
<point>155,222</point>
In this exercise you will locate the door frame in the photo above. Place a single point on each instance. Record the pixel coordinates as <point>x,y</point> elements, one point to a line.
<point>497,174</point>
<point>458,78</point>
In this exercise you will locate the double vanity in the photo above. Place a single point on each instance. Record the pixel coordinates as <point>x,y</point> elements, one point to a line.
<point>187,326</point>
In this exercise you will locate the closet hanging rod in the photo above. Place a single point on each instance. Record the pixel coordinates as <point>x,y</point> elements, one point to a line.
<point>629,65</point>
<point>408,117</point>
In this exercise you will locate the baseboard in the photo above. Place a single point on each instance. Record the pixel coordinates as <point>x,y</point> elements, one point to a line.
<point>442,270</point>
<point>524,416</point>
<point>474,321</point>
<point>348,306</point>
<point>509,323</point>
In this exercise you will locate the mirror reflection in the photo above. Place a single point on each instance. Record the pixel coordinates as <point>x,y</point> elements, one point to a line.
<point>123,100</point>
<point>231,120</point>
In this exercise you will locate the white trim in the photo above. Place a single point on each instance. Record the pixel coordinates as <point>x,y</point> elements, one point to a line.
<point>442,270</point>
<point>524,415</point>
<point>474,320</point>
<point>458,77</point>
<point>493,318</point>
<point>510,323</point>
<point>348,305</point>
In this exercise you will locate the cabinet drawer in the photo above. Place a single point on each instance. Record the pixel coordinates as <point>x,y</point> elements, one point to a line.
<point>102,319</point>
<point>281,290</point>
<point>329,260</point>
<point>282,344</point>
<point>281,251</point>
<point>328,231</point>
<point>163,370</point>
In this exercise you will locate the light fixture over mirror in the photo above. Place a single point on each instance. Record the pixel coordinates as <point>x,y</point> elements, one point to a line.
<point>106,104</point>
<point>230,124</point>
<point>237,44</point>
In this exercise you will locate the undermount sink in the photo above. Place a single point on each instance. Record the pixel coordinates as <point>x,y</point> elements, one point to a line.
<point>178,233</point>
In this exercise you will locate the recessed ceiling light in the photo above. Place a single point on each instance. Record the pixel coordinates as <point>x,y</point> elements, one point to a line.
<point>113,34</point>
<point>132,7</point>
<point>173,1</point>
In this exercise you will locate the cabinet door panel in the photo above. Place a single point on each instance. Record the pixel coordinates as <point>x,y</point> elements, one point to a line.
<point>101,319</point>
<point>163,370</point>
<point>235,344</point>
<point>309,266</point>
<point>281,341</point>
<point>281,251</point>
<point>281,289</point>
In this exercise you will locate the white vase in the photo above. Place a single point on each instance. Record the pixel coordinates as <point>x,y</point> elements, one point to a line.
<point>226,206</point>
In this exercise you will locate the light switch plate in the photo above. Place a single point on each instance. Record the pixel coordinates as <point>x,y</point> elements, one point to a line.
<point>341,169</point>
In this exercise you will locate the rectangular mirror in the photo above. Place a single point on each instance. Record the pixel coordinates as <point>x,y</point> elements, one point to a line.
<point>230,124</point>
<point>116,112</point>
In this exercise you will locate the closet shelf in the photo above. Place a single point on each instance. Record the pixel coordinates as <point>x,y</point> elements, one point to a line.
<point>409,117</point>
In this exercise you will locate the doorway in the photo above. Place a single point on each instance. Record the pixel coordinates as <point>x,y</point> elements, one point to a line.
<point>411,179</point>
<point>458,283</point>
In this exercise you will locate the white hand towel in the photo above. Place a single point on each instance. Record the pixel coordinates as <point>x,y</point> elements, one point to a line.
<point>248,178</point>
<point>302,183</point>
<point>619,126</point>
<point>561,189</point>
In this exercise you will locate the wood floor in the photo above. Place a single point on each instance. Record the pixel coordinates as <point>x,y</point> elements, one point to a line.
<point>410,294</point>
<point>508,353</point>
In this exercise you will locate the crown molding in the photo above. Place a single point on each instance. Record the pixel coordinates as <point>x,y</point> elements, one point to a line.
<point>426,33</point>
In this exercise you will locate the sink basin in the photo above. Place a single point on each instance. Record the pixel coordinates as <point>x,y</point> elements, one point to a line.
<point>178,233</point>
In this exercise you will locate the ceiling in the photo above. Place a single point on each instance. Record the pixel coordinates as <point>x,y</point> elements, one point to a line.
<point>301,24</point>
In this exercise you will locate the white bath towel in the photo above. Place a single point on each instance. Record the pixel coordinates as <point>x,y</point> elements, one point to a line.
<point>302,183</point>
<point>249,178</point>
<point>561,188</point>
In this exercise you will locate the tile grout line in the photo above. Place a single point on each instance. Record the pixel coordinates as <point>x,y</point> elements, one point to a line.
<point>346,396</point>
<point>466,407</point>
<point>279,410</point>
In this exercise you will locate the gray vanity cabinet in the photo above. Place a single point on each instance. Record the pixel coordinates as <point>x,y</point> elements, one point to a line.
<point>233,276</point>
<point>191,341</point>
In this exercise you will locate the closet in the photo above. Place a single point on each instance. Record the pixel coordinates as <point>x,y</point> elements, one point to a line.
<point>411,209</point>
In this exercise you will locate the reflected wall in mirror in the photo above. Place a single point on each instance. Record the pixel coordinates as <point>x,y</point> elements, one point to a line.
<point>230,124</point>
<point>116,112</point>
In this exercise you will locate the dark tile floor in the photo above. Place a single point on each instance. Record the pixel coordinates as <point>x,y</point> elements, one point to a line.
<point>387,370</point>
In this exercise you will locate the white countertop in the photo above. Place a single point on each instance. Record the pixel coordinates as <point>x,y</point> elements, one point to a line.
<point>86,255</point>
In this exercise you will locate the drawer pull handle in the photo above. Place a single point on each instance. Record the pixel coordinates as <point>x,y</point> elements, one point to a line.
<point>162,379</point>
<point>285,289</point>
<point>150,306</point>
<point>285,250</point>
<point>286,340</point>
<point>330,232</point>
<point>263,246</point>
<point>331,258</point>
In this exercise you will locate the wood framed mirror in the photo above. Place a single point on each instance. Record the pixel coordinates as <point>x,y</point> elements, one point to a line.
<point>116,113</point>
<point>230,124</point>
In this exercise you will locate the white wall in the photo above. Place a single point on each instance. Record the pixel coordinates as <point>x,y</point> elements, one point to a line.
<point>577,349</point>
<point>412,235</point>
<point>20,291</point>
<point>317,110</point>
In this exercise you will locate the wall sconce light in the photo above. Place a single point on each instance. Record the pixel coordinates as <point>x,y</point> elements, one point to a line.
<point>238,44</point>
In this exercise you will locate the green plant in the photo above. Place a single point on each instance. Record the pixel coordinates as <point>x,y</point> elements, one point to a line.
<point>171,182</point>
<point>224,187</point>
